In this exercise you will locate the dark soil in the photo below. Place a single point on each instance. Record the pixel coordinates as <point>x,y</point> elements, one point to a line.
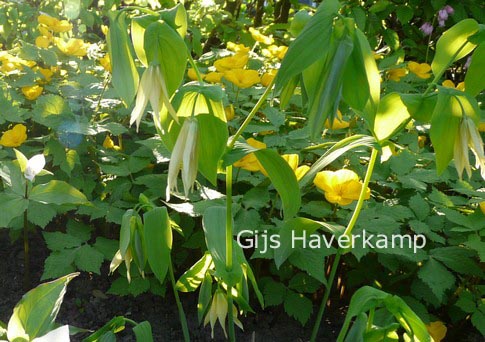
<point>86,305</point>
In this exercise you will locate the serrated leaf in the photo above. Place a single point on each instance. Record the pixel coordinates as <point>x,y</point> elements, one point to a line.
<point>11,206</point>
<point>106,246</point>
<point>40,214</point>
<point>58,264</point>
<point>458,259</point>
<point>57,241</point>
<point>437,277</point>
<point>419,206</point>
<point>274,293</point>
<point>298,306</point>
<point>79,230</point>
<point>88,259</point>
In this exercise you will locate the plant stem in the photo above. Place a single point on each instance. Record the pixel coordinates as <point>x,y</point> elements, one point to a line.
<point>348,232</point>
<point>194,66</point>
<point>229,242</point>
<point>250,116</point>
<point>26,246</point>
<point>183,319</point>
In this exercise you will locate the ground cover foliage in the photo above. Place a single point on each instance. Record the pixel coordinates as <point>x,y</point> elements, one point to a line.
<point>187,144</point>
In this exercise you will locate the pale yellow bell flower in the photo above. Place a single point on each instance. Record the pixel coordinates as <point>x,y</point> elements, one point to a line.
<point>152,88</point>
<point>468,137</point>
<point>341,187</point>
<point>184,157</point>
<point>437,330</point>
<point>242,78</point>
<point>32,92</point>
<point>14,137</point>
<point>218,312</point>
<point>422,70</point>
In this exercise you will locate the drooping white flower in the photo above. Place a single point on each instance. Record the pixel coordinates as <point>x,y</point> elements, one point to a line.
<point>34,166</point>
<point>184,157</point>
<point>152,88</point>
<point>468,137</point>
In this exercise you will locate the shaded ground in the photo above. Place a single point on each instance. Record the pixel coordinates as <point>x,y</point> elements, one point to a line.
<point>87,306</point>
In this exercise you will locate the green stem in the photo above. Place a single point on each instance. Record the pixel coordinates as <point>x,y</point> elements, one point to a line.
<point>250,116</point>
<point>229,243</point>
<point>183,319</point>
<point>26,246</point>
<point>194,66</point>
<point>132,322</point>
<point>370,321</point>
<point>321,311</point>
<point>348,231</point>
<point>138,8</point>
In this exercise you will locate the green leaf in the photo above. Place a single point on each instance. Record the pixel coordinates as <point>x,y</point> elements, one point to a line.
<point>475,75</point>
<point>11,206</point>
<point>453,45</point>
<point>478,321</point>
<point>316,34</point>
<point>72,8</point>
<point>274,293</point>
<point>362,69</point>
<point>312,261</point>
<point>193,277</point>
<point>143,332</point>
<point>214,224</point>
<point>205,296</point>
<point>59,263</point>
<point>79,230</point>
<point>13,177</point>
<point>283,179</point>
<point>303,283</point>
<point>125,76</point>
<point>57,192</point>
<point>358,330</point>
<point>420,107</point>
<point>457,259</point>
<point>158,240</point>
<point>57,241</point>
<point>165,47</point>
<point>419,206</point>
<point>35,313</point>
<point>88,259</point>
<point>391,116</point>
<point>298,306</point>
<point>115,324</point>
<point>40,214</point>
<point>437,277</point>
<point>138,27</point>
<point>106,246</point>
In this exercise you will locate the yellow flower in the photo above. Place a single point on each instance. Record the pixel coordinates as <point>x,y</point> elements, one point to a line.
<point>109,144</point>
<point>422,141</point>
<point>46,73</point>
<point>218,311</point>
<point>341,187</point>
<point>421,70</point>
<point>193,75</point>
<point>259,37</point>
<point>268,77</point>
<point>242,78</point>
<point>32,92</point>
<point>275,51</point>
<point>293,160</point>
<point>237,47</point>
<point>42,42</point>
<point>104,29</point>
<point>450,84</point>
<point>72,47</point>
<point>482,207</point>
<point>396,74</point>
<point>229,110</point>
<point>437,330</point>
<point>250,162</point>
<point>47,20</point>
<point>338,122</point>
<point>377,56</point>
<point>14,137</point>
<point>214,77</point>
<point>481,127</point>
<point>54,24</point>
<point>105,62</point>
<point>238,61</point>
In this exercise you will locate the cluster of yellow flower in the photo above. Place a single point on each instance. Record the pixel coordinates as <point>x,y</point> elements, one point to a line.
<point>48,26</point>
<point>341,187</point>
<point>421,70</point>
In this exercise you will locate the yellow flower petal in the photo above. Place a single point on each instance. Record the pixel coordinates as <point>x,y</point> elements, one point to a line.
<point>242,78</point>
<point>238,61</point>
<point>229,110</point>
<point>437,330</point>
<point>421,70</point>
<point>32,92</point>
<point>72,47</point>
<point>268,77</point>
<point>14,137</point>
<point>214,77</point>
<point>250,162</point>
<point>338,122</point>
<point>237,47</point>
<point>340,187</point>
<point>259,37</point>
<point>482,207</point>
<point>448,84</point>
<point>396,74</point>
<point>42,42</point>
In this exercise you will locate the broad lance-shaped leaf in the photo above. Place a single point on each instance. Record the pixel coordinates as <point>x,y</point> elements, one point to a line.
<point>283,179</point>
<point>310,45</point>
<point>125,75</point>
<point>475,75</point>
<point>57,192</point>
<point>453,45</point>
<point>391,116</point>
<point>35,313</point>
<point>158,240</point>
<point>193,277</point>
